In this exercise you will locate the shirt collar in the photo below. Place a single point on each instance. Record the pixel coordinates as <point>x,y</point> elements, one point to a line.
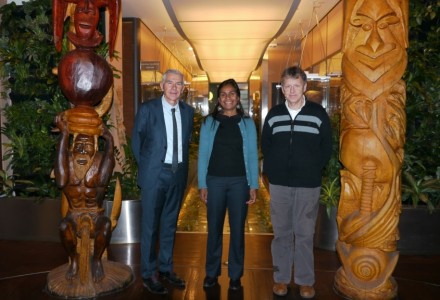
<point>167,106</point>
<point>290,109</point>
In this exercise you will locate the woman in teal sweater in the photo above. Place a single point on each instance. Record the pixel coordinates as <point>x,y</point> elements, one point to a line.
<point>228,179</point>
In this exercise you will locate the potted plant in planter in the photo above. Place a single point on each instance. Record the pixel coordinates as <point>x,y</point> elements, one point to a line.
<point>326,230</point>
<point>419,220</point>
<point>31,98</point>
<point>128,228</point>
<point>421,167</point>
<point>128,174</point>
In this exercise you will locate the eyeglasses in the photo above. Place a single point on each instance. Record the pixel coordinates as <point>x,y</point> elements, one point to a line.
<point>228,95</point>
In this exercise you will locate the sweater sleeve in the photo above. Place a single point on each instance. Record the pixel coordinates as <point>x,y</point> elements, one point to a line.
<point>203,160</point>
<point>138,134</point>
<point>253,154</point>
<point>326,140</point>
<point>266,136</point>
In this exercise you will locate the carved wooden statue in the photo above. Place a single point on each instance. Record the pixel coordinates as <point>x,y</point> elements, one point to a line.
<point>83,171</point>
<point>371,146</point>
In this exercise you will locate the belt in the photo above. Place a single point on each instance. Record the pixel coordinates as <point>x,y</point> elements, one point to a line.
<point>169,166</point>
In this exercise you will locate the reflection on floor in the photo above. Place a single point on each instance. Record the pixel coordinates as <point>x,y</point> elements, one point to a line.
<point>193,213</point>
<point>24,266</point>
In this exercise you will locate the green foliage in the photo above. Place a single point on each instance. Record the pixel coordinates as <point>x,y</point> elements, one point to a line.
<point>6,184</point>
<point>27,50</point>
<point>28,58</point>
<point>31,150</point>
<point>128,176</point>
<point>422,148</point>
<point>194,146</point>
<point>330,192</point>
<point>331,185</point>
<point>418,189</point>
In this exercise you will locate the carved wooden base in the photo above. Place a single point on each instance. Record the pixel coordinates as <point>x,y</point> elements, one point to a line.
<point>117,277</point>
<point>344,287</point>
<point>365,273</point>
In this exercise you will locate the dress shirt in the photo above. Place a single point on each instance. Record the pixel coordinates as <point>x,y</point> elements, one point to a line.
<point>169,127</point>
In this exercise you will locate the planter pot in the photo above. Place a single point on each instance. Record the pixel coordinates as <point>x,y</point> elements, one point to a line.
<point>128,229</point>
<point>326,229</point>
<point>29,219</point>
<point>34,220</point>
<point>419,231</point>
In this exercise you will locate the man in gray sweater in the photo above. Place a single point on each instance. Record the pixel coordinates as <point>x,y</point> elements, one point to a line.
<point>296,144</point>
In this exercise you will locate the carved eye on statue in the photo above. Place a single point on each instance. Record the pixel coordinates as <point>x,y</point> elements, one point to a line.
<point>361,21</point>
<point>389,20</point>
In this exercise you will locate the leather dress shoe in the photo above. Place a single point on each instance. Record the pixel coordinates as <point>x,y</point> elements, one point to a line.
<point>234,284</point>
<point>209,281</point>
<point>307,291</point>
<point>154,286</point>
<point>172,278</point>
<point>280,289</point>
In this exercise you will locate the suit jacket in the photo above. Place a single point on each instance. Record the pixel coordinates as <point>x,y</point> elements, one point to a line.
<point>149,140</point>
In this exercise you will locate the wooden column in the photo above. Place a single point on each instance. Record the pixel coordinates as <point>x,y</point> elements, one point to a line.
<point>371,146</point>
<point>82,168</point>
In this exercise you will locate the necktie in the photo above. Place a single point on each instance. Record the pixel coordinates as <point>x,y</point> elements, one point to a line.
<point>175,151</point>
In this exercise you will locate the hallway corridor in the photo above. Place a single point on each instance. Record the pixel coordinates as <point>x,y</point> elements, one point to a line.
<point>193,213</point>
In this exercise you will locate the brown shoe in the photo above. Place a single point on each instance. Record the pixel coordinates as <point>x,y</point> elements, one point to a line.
<point>280,289</point>
<point>307,291</point>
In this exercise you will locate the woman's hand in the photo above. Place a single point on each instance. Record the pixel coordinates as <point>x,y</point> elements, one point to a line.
<point>252,196</point>
<point>204,195</point>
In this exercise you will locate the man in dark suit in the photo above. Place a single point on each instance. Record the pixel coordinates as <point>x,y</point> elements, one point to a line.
<point>162,180</point>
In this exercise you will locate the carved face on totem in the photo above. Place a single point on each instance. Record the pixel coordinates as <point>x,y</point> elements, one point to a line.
<point>83,152</point>
<point>375,56</point>
<point>86,19</point>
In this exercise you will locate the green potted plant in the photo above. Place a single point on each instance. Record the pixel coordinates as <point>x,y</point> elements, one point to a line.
<point>27,59</point>
<point>421,168</point>
<point>331,185</point>
<point>326,230</point>
<point>128,175</point>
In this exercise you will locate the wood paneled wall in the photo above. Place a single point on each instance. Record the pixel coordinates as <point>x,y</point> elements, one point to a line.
<point>140,44</point>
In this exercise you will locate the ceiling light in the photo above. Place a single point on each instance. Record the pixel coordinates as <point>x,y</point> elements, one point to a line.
<point>228,38</point>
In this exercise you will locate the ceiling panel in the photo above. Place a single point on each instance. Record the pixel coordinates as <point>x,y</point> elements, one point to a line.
<point>230,29</point>
<point>235,49</point>
<point>230,10</point>
<point>227,64</point>
<point>299,17</point>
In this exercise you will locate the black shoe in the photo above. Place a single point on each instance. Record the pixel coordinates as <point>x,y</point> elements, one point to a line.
<point>172,278</point>
<point>235,284</point>
<point>209,281</point>
<point>154,286</point>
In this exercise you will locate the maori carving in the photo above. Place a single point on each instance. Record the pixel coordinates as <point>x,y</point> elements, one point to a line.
<point>82,170</point>
<point>371,146</point>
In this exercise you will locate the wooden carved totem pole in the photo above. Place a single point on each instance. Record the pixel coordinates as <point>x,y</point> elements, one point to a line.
<point>371,146</point>
<point>82,170</point>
